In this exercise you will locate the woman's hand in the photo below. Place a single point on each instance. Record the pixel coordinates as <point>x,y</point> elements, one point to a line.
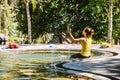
<point>69,29</point>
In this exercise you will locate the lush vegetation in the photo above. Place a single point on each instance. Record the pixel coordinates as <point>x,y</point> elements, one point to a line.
<point>50,18</point>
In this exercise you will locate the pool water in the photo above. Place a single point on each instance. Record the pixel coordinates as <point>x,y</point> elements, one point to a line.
<point>38,65</point>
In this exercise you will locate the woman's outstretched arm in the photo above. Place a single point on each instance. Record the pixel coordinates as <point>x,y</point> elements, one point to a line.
<point>72,37</point>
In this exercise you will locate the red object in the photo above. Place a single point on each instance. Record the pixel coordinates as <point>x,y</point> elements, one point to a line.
<point>13,45</point>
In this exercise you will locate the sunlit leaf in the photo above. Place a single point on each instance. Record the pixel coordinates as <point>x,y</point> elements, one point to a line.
<point>41,8</point>
<point>33,4</point>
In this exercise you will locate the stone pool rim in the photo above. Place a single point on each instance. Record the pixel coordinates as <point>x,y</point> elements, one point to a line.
<point>28,47</point>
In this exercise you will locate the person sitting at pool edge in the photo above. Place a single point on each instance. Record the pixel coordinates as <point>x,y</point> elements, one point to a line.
<point>85,41</point>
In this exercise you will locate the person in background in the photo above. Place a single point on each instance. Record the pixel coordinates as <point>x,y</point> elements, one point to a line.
<point>85,41</point>
<point>3,39</point>
<point>12,45</point>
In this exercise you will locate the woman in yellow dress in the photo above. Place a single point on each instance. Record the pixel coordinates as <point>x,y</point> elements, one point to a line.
<point>85,41</point>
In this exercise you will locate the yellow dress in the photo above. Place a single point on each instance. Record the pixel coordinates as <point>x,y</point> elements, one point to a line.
<point>85,51</point>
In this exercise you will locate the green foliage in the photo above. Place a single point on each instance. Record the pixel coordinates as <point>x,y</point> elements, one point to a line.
<point>53,16</point>
<point>8,24</point>
<point>98,9</point>
<point>116,20</point>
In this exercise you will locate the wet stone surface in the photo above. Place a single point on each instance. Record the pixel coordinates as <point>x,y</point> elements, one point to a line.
<point>108,67</point>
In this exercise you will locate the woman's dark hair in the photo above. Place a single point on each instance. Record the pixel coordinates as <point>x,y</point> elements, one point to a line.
<point>89,31</point>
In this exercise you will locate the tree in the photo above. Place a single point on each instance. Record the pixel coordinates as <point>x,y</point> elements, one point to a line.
<point>110,21</point>
<point>29,21</point>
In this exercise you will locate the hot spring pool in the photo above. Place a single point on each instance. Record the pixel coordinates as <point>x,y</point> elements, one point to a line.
<point>40,65</point>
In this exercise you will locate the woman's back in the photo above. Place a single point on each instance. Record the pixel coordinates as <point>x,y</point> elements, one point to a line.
<point>85,51</point>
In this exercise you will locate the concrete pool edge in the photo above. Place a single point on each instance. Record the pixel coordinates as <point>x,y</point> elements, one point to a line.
<point>114,48</point>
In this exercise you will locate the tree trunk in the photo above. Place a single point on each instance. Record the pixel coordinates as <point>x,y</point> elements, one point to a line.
<point>29,22</point>
<point>0,16</point>
<point>5,18</point>
<point>110,22</point>
<point>60,39</point>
